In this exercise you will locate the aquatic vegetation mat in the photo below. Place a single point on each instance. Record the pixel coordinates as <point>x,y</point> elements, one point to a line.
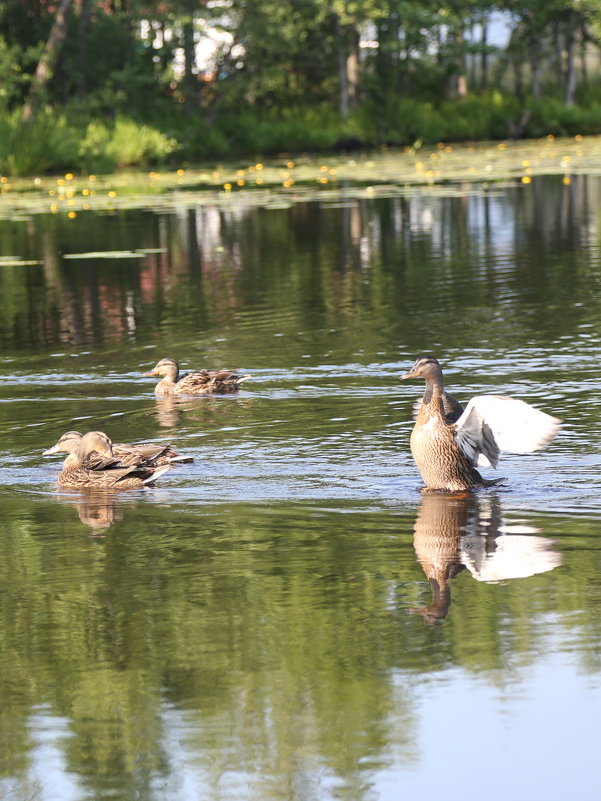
<point>276,184</point>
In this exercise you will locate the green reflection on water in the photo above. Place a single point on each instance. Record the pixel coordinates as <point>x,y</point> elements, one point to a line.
<point>278,631</point>
<point>282,648</point>
<point>367,275</point>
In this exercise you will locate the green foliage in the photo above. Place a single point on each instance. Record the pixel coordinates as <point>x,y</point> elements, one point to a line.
<point>11,73</point>
<point>286,130</point>
<point>45,143</point>
<point>123,144</point>
<point>404,121</point>
<point>51,142</point>
<point>280,80</point>
<point>550,116</point>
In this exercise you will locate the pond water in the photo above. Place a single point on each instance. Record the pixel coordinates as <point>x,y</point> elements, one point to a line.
<point>287,617</point>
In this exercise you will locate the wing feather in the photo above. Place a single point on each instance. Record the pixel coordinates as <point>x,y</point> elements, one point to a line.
<point>494,423</point>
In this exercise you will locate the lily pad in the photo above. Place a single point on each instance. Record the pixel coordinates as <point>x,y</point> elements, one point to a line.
<point>10,262</point>
<point>107,254</point>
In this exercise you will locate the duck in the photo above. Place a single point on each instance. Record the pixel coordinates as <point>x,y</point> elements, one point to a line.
<point>93,465</point>
<point>447,451</point>
<point>144,454</point>
<point>197,382</point>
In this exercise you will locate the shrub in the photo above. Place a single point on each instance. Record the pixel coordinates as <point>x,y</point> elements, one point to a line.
<point>124,144</point>
<point>42,144</point>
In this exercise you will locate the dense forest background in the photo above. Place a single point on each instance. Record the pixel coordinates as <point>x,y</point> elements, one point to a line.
<point>98,84</point>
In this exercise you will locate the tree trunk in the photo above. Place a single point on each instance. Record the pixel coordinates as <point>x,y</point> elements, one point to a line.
<point>535,66</point>
<point>352,67</point>
<point>584,38</point>
<point>387,54</point>
<point>484,55</point>
<point>570,44</point>
<point>518,78</point>
<point>190,87</point>
<point>82,50</point>
<point>461,86</point>
<point>342,73</point>
<point>558,54</point>
<point>45,67</point>
<point>456,83</point>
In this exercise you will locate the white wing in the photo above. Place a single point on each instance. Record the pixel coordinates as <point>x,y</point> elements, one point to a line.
<point>494,423</point>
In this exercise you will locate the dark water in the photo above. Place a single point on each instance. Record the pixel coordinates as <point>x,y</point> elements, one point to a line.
<point>287,617</point>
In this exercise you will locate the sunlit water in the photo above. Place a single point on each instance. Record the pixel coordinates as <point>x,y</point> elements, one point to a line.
<point>288,617</point>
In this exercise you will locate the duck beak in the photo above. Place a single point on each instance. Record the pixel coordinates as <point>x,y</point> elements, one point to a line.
<point>410,374</point>
<point>151,372</point>
<point>53,449</point>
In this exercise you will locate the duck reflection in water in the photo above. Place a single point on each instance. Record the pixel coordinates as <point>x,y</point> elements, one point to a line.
<point>169,409</point>
<point>97,510</point>
<point>458,532</point>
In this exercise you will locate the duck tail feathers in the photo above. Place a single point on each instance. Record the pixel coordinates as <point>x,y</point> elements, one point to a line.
<point>151,479</point>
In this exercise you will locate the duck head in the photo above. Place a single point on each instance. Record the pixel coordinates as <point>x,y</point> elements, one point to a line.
<point>68,443</point>
<point>426,367</point>
<point>165,367</point>
<point>94,442</point>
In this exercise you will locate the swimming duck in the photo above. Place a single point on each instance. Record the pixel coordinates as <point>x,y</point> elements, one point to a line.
<point>447,452</point>
<point>197,382</point>
<point>148,455</point>
<point>93,464</point>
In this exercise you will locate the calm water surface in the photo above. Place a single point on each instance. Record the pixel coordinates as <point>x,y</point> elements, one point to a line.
<point>288,617</point>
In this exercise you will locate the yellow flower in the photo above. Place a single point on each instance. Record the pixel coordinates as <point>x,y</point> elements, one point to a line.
<point>69,176</point>
<point>72,215</point>
<point>526,179</point>
<point>112,193</point>
<point>567,180</point>
<point>227,187</point>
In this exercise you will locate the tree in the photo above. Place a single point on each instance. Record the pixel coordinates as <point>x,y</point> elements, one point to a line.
<point>44,70</point>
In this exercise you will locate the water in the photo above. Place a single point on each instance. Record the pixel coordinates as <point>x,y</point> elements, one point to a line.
<point>288,617</point>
